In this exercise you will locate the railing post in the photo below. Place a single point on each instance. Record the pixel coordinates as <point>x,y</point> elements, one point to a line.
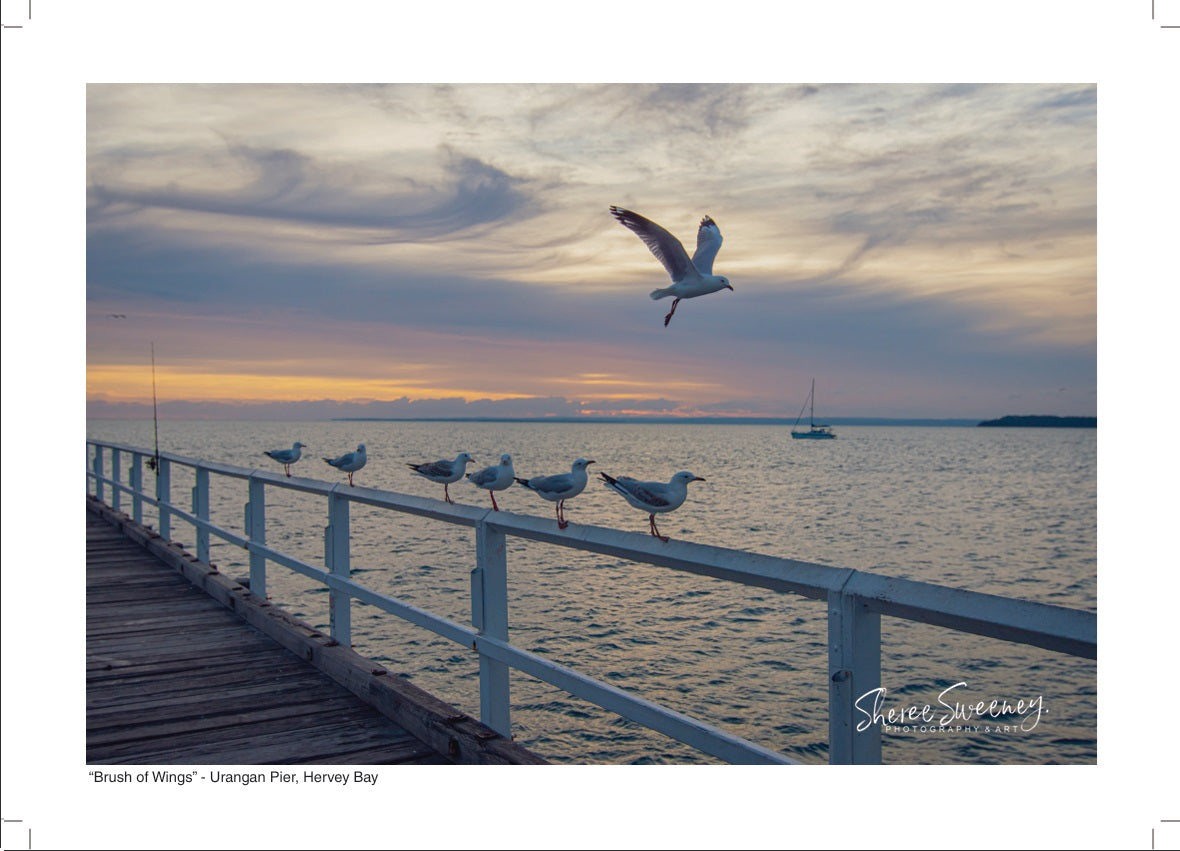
<point>137,487</point>
<point>98,472</point>
<point>201,510</point>
<point>338,556</point>
<point>489,614</point>
<point>256,531</point>
<point>854,670</point>
<point>117,476</point>
<point>164,497</point>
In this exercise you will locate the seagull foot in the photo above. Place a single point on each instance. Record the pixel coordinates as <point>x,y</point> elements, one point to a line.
<point>668,318</point>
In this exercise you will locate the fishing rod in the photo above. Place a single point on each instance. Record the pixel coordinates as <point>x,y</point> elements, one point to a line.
<point>154,462</point>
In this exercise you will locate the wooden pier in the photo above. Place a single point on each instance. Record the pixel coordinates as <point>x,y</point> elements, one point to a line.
<point>185,666</point>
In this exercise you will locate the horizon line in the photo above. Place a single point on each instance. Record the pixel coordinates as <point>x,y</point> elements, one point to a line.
<point>657,419</point>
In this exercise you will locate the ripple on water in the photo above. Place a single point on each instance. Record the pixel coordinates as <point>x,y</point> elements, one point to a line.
<point>1010,512</point>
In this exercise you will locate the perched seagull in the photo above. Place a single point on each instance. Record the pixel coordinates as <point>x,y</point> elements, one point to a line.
<point>350,462</point>
<point>286,457</point>
<point>690,278</point>
<point>653,497</point>
<point>494,479</point>
<point>560,487</point>
<point>444,472</point>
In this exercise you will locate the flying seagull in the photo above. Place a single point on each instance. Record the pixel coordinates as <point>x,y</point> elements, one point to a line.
<point>653,497</point>
<point>286,457</point>
<point>350,462</point>
<point>494,479</point>
<point>444,472</point>
<point>560,487</point>
<point>690,278</point>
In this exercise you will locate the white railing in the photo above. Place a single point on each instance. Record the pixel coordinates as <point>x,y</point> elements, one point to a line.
<point>856,599</point>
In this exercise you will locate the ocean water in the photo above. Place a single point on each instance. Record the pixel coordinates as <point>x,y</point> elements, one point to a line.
<point>1003,511</point>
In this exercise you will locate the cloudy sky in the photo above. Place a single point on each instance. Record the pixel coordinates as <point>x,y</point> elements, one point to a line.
<point>414,249</point>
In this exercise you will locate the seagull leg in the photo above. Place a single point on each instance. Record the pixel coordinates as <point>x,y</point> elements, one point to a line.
<point>492,494</point>
<point>561,522</point>
<point>447,493</point>
<point>287,469</point>
<point>651,521</point>
<point>350,479</point>
<point>668,318</point>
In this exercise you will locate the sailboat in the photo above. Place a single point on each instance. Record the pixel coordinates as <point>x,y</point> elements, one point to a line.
<point>816,432</point>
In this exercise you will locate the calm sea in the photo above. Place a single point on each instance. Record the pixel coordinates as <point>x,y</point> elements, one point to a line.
<point>1003,511</point>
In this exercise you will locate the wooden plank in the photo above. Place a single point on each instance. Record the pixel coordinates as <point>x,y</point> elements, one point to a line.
<point>125,624</point>
<point>225,699</point>
<point>284,665</point>
<point>259,720</point>
<point>113,667</point>
<point>178,692</point>
<point>212,640</point>
<point>136,740</point>
<point>327,743</point>
<point>176,677</point>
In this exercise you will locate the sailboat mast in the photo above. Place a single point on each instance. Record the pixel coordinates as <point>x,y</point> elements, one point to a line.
<point>812,414</point>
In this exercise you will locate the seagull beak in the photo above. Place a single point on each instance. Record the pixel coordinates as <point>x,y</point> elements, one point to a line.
<point>697,479</point>
<point>729,287</point>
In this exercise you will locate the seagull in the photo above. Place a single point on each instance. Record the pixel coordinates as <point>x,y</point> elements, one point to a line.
<point>495,478</point>
<point>286,457</point>
<point>350,462</point>
<point>690,278</point>
<point>560,487</point>
<point>653,497</point>
<point>444,472</point>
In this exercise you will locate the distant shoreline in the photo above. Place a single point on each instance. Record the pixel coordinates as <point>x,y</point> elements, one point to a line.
<point>1042,421</point>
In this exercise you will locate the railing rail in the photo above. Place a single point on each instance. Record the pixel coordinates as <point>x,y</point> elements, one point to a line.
<point>856,599</point>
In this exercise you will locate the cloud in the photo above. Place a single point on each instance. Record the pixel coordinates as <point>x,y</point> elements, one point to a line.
<point>324,409</point>
<point>287,186</point>
<point>455,241</point>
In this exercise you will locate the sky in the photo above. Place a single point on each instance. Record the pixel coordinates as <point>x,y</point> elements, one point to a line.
<point>317,250</point>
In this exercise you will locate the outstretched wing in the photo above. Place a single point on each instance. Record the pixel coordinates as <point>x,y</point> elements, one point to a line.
<point>663,245</point>
<point>708,244</point>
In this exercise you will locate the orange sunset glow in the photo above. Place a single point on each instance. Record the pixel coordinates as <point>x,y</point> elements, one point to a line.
<point>927,250</point>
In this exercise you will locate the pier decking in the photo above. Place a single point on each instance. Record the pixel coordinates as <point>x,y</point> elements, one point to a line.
<point>175,675</point>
